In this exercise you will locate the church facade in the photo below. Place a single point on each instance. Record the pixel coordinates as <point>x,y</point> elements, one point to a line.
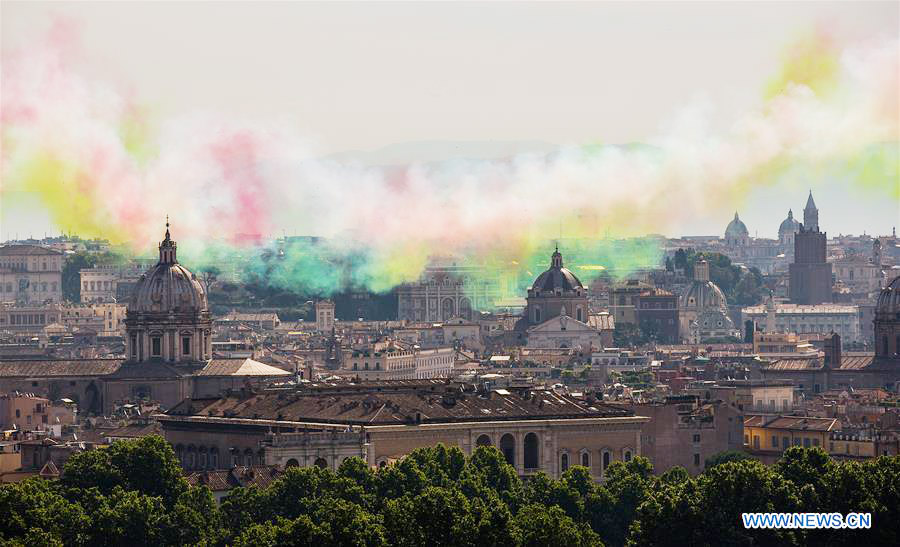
<point>168,348</point>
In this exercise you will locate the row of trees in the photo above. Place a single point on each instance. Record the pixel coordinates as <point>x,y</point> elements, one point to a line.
<point>133,493</point>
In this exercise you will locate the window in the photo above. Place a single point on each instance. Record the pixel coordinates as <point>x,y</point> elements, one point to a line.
<point>815,442</point>
<point>134,345</point>
<point>696,437</point>
<point>774,441</point>
<point>156,346</point>
<point>185,345</point>
<point>18,413</point>
<point>605,459</point>
<point>805,442</point>
<point>756,441</point>
<point>564,462</point>
<point>627,456</point>
<point>697,460</point>
<point>585,459</point>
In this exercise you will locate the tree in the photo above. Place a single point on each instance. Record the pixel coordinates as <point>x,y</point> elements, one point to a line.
<point>71,274</point>
<point>726,456</point>
<point>540,526</point>
<point>438,516</point>
<point>35,511</point>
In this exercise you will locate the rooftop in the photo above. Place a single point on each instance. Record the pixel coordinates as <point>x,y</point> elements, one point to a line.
<point>394,404</point>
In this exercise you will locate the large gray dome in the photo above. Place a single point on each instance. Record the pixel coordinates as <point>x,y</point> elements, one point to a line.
<point>703,295</point>
<point>788,225</point>
<point>889,300</point>
<point>168,287</point>
<point>557,277</point>
<point>736,228</point>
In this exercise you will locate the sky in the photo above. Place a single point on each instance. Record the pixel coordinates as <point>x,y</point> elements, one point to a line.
<point>370,81</point>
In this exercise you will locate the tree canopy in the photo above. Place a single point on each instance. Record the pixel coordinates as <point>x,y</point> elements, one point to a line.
<point>132,494</point>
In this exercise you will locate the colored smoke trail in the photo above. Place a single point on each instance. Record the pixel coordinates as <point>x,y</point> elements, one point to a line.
<point>103,168</point>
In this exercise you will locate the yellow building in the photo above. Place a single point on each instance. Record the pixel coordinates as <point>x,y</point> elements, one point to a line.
<point>767,437</point>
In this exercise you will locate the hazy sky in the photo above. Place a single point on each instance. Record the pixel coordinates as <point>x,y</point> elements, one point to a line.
<point>359,76</point>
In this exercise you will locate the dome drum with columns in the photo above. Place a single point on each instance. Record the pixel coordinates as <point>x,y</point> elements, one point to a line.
<point>168,318</point>
<point>557,291</point>
<point>887,321</point>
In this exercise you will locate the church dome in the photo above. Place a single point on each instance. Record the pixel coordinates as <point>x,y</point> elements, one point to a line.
<point>736,229</point>
<point>703,295</point>
<point>889,299</point>
<point>556,277</point>
<point>168,287</point>
<point>788,225</point>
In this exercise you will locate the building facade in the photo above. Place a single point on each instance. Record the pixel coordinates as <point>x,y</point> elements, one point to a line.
<point>536,430</point>
<point>30,274</point>
<point>557,291</point>
<point>822,318</point>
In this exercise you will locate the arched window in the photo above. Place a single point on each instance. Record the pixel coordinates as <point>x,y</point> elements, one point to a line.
<point>248,457</point>
<point>214,458</point>
<point>606,458</point>
<point>508,448</point>
<point>564,462</point>
<point>179,453</point>
<point>626,455</point>
<point>320,462</point>
<point>291,463</point>
<point>483,440</point>
<point>531,448</point>
<point>537,314</point>
<point>202,460</point>
<point>585,458</point>
<point>579,315</point>
<point>191,455</point>
<point>382,464</point>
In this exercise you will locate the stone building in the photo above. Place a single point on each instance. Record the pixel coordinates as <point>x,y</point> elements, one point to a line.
<point>324,316</point>
<point>792,318</point>
<point>30,274</point>
<point>446,291</point>
<point>168,351</point>
<point>109,283</point>
<point>656,312</point>
<point>684,431</point>
<point>536,430</point>
<point>810,273</point>
<point>557,291</point>
<point>703,309</point>
<point>837,370</point>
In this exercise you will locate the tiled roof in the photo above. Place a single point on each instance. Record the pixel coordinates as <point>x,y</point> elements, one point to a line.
<point>223,480</point>
<point>58,367</point>
<point>805,423</point>
<point>795,365</point>
<point>133,431</point>
<point>855,362</point>
<point>151,369</point>
<point>240,367</point>
<point>29,250</point>
<point>365,405</point>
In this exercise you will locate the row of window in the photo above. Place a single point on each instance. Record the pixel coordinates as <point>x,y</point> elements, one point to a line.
<point>96,286</point>
<point>585,459</point>
<point>156,345</point>
<point>43,286</point>
<point>805,442</point>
